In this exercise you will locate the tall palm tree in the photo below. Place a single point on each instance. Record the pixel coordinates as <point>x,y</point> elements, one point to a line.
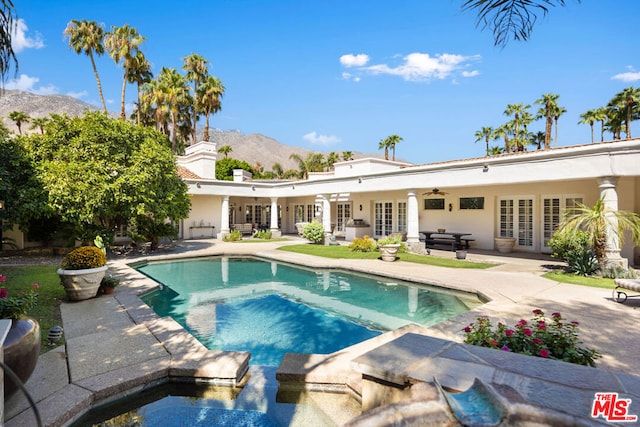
<point>537,139</point>
<point>393,140</point>
<point>485,133</point>
<point>384,144</point>
<point>176,94</point>
<point>503,132</point>
<point>332,158</point>
<point>87,37</point>
<point>123,43</point>
<point>517,110</point>
<point>197,69</point>
<point>209,96</point>
<point>347,155</point>
<point>628,101</point>
<point>588,118</point>
<point>225,149</point>
<point>140,73</point>
<point>557,112</point>
<point>7,28</point>
<point>548,102</point>
<point>278,172</point>
<point>313,162</point>
<point>153,101</point>
<point>601,116</point>
<point>19,117</point>
<point>39,123</point>
<point>615,118</point>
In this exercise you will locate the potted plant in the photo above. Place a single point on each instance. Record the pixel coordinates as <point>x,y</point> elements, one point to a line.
<point>504,245</point>
<point>389,247</point>
<point>108,284</point>
<point>22,345</point>
<point>81,272</point>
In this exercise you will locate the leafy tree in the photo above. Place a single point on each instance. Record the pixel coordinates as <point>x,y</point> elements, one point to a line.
<point>506,18</point>
<point>7,26</point>
<point>197,69</point>
<point>485,134</point>
<point>19,117</point>
<point>494,151</point>
<point>107,172</point>
<point>225,167</point>
<point>87,37</point>
<point>278,172</point>
<point>123,44</point>
<point>225,149</point>
<point>313,162</point>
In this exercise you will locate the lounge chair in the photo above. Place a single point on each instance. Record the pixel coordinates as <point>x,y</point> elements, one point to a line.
<point>629,284</point>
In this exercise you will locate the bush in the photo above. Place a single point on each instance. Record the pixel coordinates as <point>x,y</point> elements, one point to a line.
<point>84,257</point>
<point>234,236</point>
<point>618,272</point>
<point>393,239</point>
<point>314,232</point>
<point>266,235</point>
<point>110,281</point>
<point>582,262</point>
<point>556,340</point>
<point>363,244</point>
<point>575,250</point>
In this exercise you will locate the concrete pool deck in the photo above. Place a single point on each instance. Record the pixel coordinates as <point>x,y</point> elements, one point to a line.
<point>114,343</point>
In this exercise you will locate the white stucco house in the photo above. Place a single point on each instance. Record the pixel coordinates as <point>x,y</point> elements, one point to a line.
<point>522,195</point>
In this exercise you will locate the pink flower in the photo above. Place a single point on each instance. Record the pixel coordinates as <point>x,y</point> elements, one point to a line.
<point>544,353</point>
<point>505,348</point>
<point>542,326</point>
<point>494,342</point>
<point>467,329</point>
<point>35,286</point>
<point>575,322</point>
<point>556,314</point>
<point>3,292</point>
<point>537,341</point>
<point>508,332</point>
<point>527,331</point>
<point>3,279</point>
<point>522,322</point>
<point>537,311</point>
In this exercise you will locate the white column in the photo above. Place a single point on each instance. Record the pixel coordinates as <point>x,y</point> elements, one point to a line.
<point>609,196</point>
<point>275,231</point>
<point>224,217</point>
<point>413,235</point>
<point>326,214</point>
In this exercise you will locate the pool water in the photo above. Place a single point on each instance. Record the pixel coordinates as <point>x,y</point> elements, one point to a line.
<point>269,308</point>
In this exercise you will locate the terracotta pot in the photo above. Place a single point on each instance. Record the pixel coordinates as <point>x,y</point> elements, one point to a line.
<point>82,284</point>
<point>108,290</point>
<point>21,350</point>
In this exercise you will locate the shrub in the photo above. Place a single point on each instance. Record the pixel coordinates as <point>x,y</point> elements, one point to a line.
<point>557,339</point>
<point>582,262</point>
<point>363,244</point>
<point>314,232</point>
<point>618,272</point>
<point>233,236</point>
<point>575,250</point>
<point>266,235</point>
<point>110,281</point>
<point>83,257</point>
<point>393,239</point>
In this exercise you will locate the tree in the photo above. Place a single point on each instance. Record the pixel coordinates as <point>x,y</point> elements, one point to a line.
<point>107,172</point>
<point>123,44</point>
<point>225,149</point>
<point>503,132</point>
<point>7,27</point>
<point>277,170</point>
<point>197,69</point>
<point>517,110</point>
<point>332,158</point>
<point>140,73</point>
<point>557,112</point>
<point>485,134</point>
<point>39,123</point>
<point>595,221</point>
<point>588,118</point>
<point>209,96</point>
<point>225,167</point>
<point>549,103</point>
<point>19,117</point>
<point>384,144</point>
<point>313,162</point>
<point>88,37</point>
<point>175,94</point>
<point>506,18</point>
<point>392,141</point>
<point>347,155</point>
<point>601,116</point>
<point>627,102</point>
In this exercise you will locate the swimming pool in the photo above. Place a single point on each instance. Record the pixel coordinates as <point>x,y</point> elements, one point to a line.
<point>270,308</point>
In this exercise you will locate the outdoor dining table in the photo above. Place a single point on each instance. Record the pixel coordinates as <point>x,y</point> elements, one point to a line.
<point>441,237</point>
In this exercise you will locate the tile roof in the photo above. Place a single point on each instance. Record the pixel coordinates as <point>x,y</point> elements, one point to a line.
<point>186,173</point>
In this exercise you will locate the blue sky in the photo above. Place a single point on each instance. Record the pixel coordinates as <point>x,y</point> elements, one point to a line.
<point>342,75</point>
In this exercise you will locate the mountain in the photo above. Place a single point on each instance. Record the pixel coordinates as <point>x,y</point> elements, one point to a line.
<point>251,148</point>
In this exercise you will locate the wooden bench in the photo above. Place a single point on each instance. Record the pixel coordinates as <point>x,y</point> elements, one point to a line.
<point>466,242</point>
<point>441,241</point>
<point>629,284</point>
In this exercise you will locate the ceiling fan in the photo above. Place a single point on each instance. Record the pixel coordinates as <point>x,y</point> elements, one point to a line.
<point>435,192</point>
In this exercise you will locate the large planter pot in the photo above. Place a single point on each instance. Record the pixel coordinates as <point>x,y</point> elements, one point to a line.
<point>504,245</point>
<point>389,252</point>
<point>21,350</point>
<point>82,284</point>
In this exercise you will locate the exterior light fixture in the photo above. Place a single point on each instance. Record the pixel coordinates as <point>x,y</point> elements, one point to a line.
<point>485,168</point>
<point>253,187</point>
<point>450,207</point>
<point>359,180</point>
<point>361,207</point>
<point>198,185</point>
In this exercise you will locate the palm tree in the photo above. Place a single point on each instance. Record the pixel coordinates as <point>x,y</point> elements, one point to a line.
<point>209,96</point>
<point>485,133</point>
<point>549,103</point>
<point>153,102</point>
<point>19,117</point>
<point>39,123</point>
<point>601,116</point>
<point>87,37</point>
<point>123,44</point>
<point>615,118</point>
<point>557,112</point>
<point>197,69</point>
<point>627,101</point>
<point>394,140</point>
<point>332,158</point>
<point>7,28</point>
<point>347,155</point>
<point>503,132</point>
<point>176,94</point>
<point>494,151</point>
<point>595,221</point>
<point>384,143</point>
<point>139,73</point>
<point>278,172</point>
<point>537,139</point>
<point>517,110</point>
<point>225,149</point>
<point>588,118</point>
<point>313,162</point>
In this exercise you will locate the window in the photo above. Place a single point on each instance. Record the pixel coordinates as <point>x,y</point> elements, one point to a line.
<point>553,208</point>
<point>471,202</point>
<point>434,204</point>
<point>516,220</point>
<point>402,217</point>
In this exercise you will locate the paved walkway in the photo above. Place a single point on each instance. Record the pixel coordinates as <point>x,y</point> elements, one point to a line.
<point>107,337</point>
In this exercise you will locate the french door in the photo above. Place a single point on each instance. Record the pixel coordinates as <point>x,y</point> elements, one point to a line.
<point>383,219</point>
<point>553,207</point>
<point>516,220</point>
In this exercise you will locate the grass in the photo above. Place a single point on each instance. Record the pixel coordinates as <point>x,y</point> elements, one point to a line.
<point>343,252</point>
<point>593,282</point>
<point>50,294</point>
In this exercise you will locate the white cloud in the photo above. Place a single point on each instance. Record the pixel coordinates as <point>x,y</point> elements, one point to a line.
<point>20,41</point>
<point>422,66</point>
<point>28,84</point>
<point>470,73</point>
<point>324,140</point>
<point>78,95</point>
<point>629,76</point>
<point>351,60</point>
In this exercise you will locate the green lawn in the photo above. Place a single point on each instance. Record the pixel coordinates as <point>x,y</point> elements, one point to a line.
<point>50,294</point>
<point>343,252</point>
<point>594,282</point>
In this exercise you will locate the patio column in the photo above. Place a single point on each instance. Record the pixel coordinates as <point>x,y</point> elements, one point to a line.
<point>609,196</point>
<point>224,218</point>
<point>326,215</point>
<point>275,231</point>
<point>413,235</point>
